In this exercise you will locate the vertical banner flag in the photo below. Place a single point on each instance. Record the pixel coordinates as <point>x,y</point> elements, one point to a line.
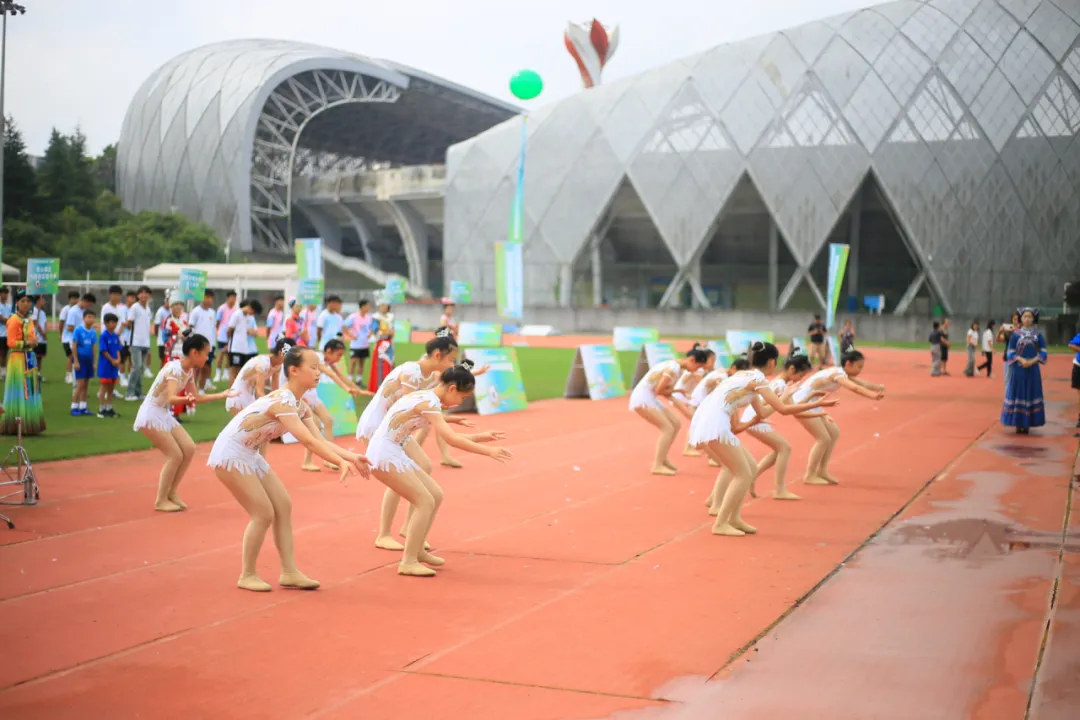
<point>309,291</point>
<point>42,276</point>
<point>509,257</point>
<point>838,255</point>
<point>394,292</point>
<point>192,284</point>
<point>309,262</point>
<point>460,292</point>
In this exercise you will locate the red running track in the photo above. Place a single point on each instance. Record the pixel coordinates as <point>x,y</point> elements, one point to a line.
<point>577,585</point>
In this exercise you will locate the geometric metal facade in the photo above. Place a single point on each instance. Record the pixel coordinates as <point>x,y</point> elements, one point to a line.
<point>219,132</point>
<point>965,112</point>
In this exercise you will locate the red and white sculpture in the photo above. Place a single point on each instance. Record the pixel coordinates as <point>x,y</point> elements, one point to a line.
<point>591,45</point>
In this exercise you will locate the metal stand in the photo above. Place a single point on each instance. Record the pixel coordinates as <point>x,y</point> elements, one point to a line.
<point>24,476</point>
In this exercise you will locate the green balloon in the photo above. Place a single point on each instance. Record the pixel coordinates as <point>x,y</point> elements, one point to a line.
<point>526,84</point>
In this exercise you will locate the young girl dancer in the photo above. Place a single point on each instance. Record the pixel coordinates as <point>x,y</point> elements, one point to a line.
<point>250,383</point>
<point>658,383</point>
<point>392,465</point>
<point>406,378</point>
<point>160,427</point>
<point>821,427</point>
<point>328,360</point>
<point>706,386</point>
<point>684,388</point>
<point>714,429</point>
<point>241,467</point>
<point>795,369</point>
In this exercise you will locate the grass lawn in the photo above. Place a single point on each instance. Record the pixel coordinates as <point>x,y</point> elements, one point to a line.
<point>544,371</point>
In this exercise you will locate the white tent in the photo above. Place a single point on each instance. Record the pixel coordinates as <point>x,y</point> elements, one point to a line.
<point>11,271</point>
<point>241,277</point>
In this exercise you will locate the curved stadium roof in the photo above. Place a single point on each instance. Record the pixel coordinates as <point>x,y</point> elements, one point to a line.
<point>217,132</point>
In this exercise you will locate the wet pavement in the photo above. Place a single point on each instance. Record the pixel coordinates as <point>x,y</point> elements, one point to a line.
<point>967,605</point>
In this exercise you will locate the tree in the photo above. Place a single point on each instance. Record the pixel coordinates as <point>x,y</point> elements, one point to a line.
<point>66,209</point>
<point>66,175</point>
<point>20,180</point>
<point>105,168</point>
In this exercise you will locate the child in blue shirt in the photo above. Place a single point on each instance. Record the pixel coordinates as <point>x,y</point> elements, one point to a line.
<point>83,340</point>
<point>108,369</point>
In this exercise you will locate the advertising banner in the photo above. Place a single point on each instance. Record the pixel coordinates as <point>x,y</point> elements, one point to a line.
<point>501,388</point>
<point>460,292</point>
<point>595,374</point>
<point>739,341</point>
<point>479,334</point>
<point>192,284</point>
<point>634,338</point>
<point>724,357</point>
<point>43,276</point>
<point>309,291</point>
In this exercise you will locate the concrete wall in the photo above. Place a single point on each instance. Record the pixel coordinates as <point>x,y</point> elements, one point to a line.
<point>705,324</point>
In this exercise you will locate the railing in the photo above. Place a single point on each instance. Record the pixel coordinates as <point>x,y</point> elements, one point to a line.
<point>385,184</point>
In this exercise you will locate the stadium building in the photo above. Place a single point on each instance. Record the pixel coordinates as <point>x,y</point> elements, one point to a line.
<point>268,140</point>
<point>938,138</point>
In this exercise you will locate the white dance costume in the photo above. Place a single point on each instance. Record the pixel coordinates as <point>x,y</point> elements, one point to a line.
<point>311,397</point>
<point>237,447</point>
<point>701,391</point>
<point>684,388</point>
<point>817,386</point>
<point>404,379</point>
<point>644,394</point>
<point>779,387</point>
<point>712,421</point>
<point>406,417</point>
<point>154,413</point>
<point>245,382</point>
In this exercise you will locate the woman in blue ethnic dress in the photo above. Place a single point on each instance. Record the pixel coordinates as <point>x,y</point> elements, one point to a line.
<point>1023,408</point>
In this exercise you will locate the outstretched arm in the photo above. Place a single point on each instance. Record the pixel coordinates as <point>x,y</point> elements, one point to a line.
<point>462,442</point>
<point>346,385</point>
<point>868,385</point>
<point>862,389</point>
<point>309,436</point>
<point>767,396</point>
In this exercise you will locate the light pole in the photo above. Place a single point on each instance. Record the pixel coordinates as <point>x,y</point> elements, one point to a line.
<point>6,7</point>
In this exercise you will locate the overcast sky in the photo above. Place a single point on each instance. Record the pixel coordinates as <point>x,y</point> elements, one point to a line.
<point>76,62</point>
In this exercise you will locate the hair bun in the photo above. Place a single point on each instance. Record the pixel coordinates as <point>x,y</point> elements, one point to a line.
<point>758,346</point>
<point>468,364</point>
<point>697,346</point>
<point>285,348</point>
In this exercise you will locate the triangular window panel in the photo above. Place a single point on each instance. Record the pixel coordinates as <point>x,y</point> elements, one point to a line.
<point>1028,129</point>
<point>641,266</point>
<point>735,260</point>
<point>903,133</point>
<point>1057,110</point>
<point>778,137</point>
<point>935,112</point>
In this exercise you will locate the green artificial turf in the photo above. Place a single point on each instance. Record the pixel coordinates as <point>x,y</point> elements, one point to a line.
<point>544,371</point>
